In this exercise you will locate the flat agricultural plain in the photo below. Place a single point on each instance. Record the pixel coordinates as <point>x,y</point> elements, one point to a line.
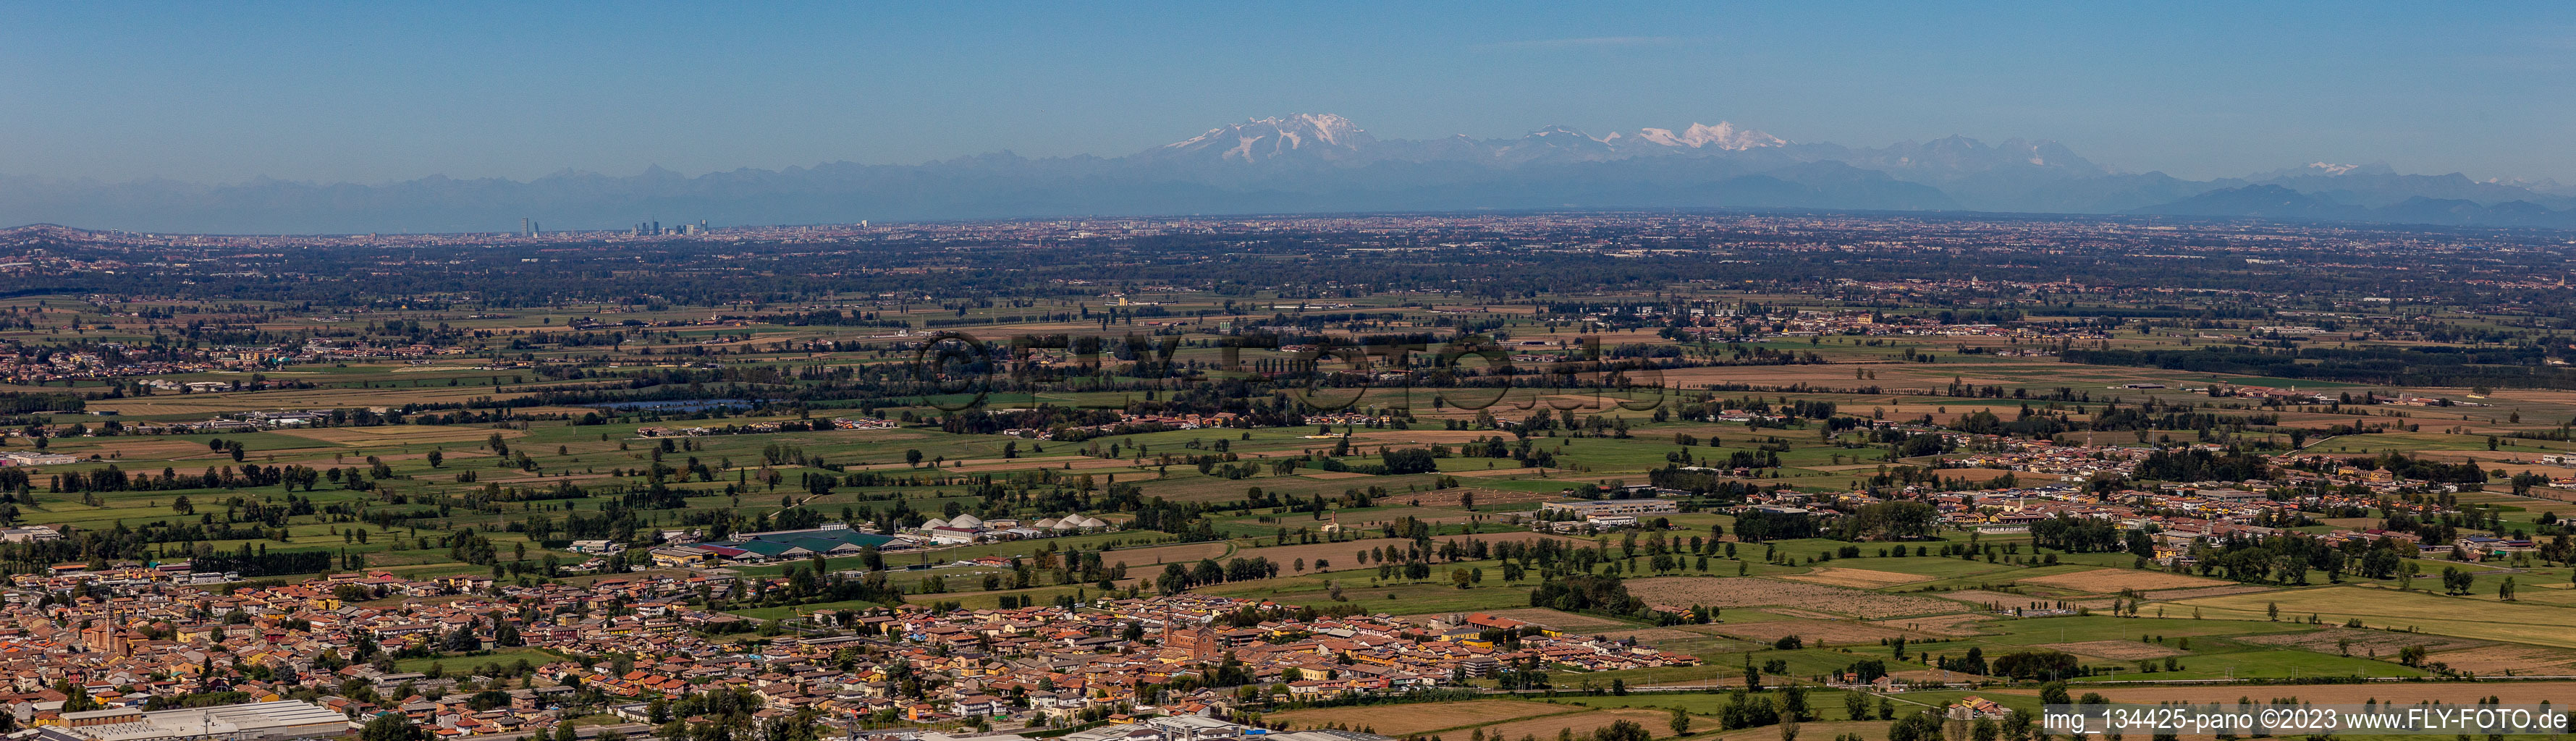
<point>2505,659</point>
<point>1856,578</point>
<point>2220,591</point>
<point>2511,693</point>
<point>1140,561</point>
<point>1412,719</point>
<point>2008,601</point>
<point>595,392</point>
<point>1832,632</point>
<point>362,436</point>
<point>1582,723</point>
<point>2360,642</point>
<point>2115,650</point>
<point>1958,625</point>
<point>2414,610</point>
<point>1759,592</point>
<point>2107,581</point>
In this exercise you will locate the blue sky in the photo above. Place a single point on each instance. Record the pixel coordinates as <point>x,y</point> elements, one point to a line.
<point>381,91</point>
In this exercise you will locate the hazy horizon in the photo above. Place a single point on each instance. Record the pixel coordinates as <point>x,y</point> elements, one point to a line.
<point>377,94</point>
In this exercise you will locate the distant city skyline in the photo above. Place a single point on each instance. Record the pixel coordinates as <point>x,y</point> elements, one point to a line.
<point>224,93</point>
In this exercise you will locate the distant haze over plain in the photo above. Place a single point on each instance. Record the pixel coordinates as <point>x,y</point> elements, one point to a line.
<point>302,117</point>
<point>1315,162</point>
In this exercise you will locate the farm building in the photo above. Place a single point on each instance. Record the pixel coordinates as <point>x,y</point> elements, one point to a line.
<point>1607,507</point>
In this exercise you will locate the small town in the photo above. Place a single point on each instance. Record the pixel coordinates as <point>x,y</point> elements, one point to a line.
<point>1293,371</point>
<point>126,643</point>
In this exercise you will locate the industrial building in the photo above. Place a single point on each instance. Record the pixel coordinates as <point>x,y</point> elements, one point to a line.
<point>1606,507</point>
<point>257,721</point>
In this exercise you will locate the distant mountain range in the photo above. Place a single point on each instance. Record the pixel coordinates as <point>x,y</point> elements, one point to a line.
<point>1316,163</point>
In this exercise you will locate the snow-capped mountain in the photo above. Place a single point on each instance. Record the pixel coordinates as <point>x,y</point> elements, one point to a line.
<point>1325,137</point>
<point>1554,143</point>
<point>1723,136</point>
<point>1319,162</point>
<point>2323,170</point>
<point>2549,186</point>
<point>2377,185</point>
<point>2328,168</point>
<point>1263,139</point>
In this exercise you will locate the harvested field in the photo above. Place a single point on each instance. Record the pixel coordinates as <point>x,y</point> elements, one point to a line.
<point>1075,462</point>
<point>1413,507</point>
<point>2007,601</point>
<point>2378,606</point>
<point>1580,723</point>
<point>1484,497</point>
<point>1417,437</point>
<point>578,478</point>
<point>1139,558</point>
<point>1856,578</point>
<point>318,398</point>
<point>2106,581</point>
<point>876,435</point>
<point>2512,693</point>
<point>399,457</point>
<point>1498,472</point>
<point>163,449</point>
<point>1414,719</point>
<point>2205,591</point>
<point>400,434</point>
<point>1934,675</point>
<point>1588,402</point>
<point>2504,658</point>
<point>1808,614</point>
<point>1711,632</point>
<point>2363,642</point>
<point>1867,730</point>
<point>1764,375</point>
<point>1750,592</point>
<point>1962,624</point>
<point>1815,632</point>
<point>2115,650</point>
